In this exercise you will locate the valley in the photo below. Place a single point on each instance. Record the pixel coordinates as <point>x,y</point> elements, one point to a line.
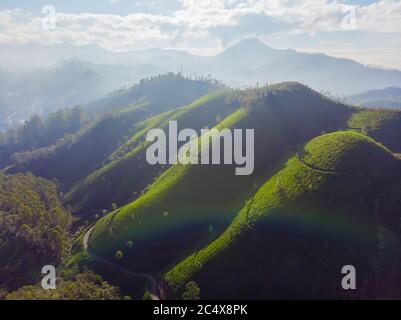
<point>324,191</point>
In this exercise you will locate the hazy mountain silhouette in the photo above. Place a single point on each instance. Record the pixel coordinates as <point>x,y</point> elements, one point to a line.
<point>246,62</point>
<point>386,98</point>
<point>100,71</point>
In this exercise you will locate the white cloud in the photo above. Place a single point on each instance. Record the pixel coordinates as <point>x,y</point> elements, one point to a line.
<point>200,23</point>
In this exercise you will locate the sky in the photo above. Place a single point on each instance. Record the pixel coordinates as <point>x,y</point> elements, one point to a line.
<point>364,30</point>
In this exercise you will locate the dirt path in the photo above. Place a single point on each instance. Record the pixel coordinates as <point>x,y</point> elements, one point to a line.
<point>153,286</point>
<point>374,165</point>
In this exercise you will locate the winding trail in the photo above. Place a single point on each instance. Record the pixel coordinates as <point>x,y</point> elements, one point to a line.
<point>156,291</point>
<point>366,167</point>
<point>153,284</point>
<point>4,170</point>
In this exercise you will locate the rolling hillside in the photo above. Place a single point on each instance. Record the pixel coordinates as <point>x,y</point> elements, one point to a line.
<point>173,90</point>
<point>227,150</point>
<point>324,193</point>
<point>188,206</point>
<point>324,203</point>
<point>291,239</point>
<point>382,125</point>
<point>125,177</point>
<point>124,111</point>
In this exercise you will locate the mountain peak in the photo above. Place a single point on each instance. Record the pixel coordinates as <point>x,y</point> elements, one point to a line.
<point>253,44</point>
<point>248,49</point>
<point>250,42</point>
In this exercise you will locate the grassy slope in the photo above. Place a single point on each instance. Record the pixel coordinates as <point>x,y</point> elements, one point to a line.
<point>382,125</point>
<point>320,153</point>
<point>189,205</point>
<point>123,179</point>
<point>91,151</point>
<point>292,237</point>
<point>164,92</point>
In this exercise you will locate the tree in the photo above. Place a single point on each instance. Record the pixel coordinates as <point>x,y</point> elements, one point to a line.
<point>192,291</point>
<point>280,190</point>
<point>39,132</point>
<point>119,255</point>
<point>34,228</point>
<point>32,131</point>
<point>83,286</point>
<point>77,117</point>
<point>365,129</point>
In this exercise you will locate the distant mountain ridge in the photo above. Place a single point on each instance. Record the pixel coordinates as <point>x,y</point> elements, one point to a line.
<point>72,82</point>
<point>247,62</point>
<point>65,75</point>
<point>389,97</point>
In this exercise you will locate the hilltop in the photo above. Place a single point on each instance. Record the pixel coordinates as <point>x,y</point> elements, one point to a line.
<point>283,116</point>
<point>119,117</point>
<point>127,174</point>
<point>382,125</point>
<point>325,178</point>
<point>293,236</point>
<point>214,218</point>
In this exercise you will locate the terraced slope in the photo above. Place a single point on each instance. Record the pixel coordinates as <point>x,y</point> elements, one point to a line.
<point>124,110</point>
<point>128,173</point>
<point>291,239</point>
<point>189,206</point>
<point>337,153</point>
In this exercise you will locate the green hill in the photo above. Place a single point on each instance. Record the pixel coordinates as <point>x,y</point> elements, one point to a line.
<point>291,239</point>
<point>324,193</point>
<point>337,153</point>
<point>164,92</point>
<point>119,115</point>
<point>189,206</point>
<point>382,125</point>
<point>128,173</point>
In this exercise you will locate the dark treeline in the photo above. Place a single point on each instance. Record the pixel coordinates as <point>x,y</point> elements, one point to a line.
<point>38,131</point>
<point>109,123</point>
<point>173,88</point>
<point>33,228</point>
<point>35,231</point>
